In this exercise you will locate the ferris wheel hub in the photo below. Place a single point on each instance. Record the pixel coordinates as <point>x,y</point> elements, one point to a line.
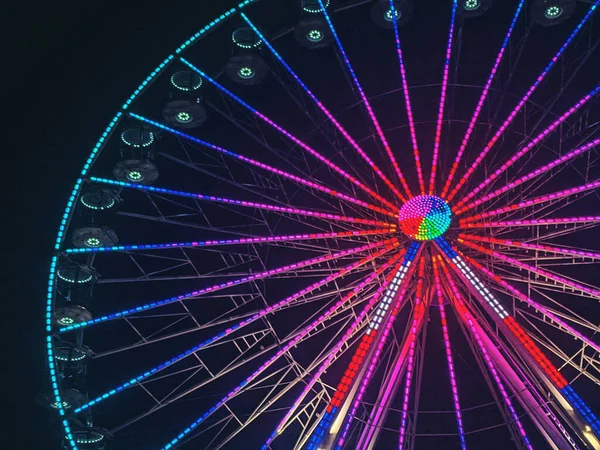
<point>424,217</point>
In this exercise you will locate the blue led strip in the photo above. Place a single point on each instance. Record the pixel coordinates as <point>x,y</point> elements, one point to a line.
<point>582,408</point>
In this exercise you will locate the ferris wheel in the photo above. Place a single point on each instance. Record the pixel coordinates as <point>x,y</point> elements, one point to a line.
<point>341,225</point>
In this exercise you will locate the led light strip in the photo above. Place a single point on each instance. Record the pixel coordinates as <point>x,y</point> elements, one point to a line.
<point>449,358</point>
<point>325,111</point>
<point>521,103</point>
<point>260,314</point>
<point>360,353</point>
<point>513,159</point>
<point>295,341</point>
<point>293,138</point>
<point>244,203</point>
<point>482,99</point>
<point>333,353</point>
<point>366,102</point>
<point>440,118</point>
<point>409,112</point>
<point>251,240</point>
<point>228,284</point>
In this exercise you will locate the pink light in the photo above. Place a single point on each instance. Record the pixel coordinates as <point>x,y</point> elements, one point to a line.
<point>409,112</point>
<point>438,129</point>
<point>531,222</point>
<point>335,350</point>
<point>549,275</point>
<point>479,106</point>
<point>438,288</point>
<point>519,106</point>
<point>522,297</point>
<point>534,174</point>
<point>525,149</point>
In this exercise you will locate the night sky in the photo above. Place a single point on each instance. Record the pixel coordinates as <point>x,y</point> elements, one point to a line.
<point>69,66</point>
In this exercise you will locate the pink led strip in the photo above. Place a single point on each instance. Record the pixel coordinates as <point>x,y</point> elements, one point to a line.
<point>527,148</point>
<point>414,329</point>
<point>438,289</point>
<point>264,166</point>
<point>479,106</point>
<point>398,304</point>
<point>294,139</point>
<point>470,322</point>
<point>329,115</point>
<point>295,341</point>
<point>409,112</point>
<point>522,297</point>
<point>531,222</point>
<point>438,129</point>
<point>546,274</point>
<point>520,105</point>
<point>535,247</point>
<point>334,351</point>
<point>531,175</point>
<point>535,201</point>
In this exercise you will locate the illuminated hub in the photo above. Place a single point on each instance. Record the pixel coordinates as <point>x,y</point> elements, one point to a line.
<point>183,117</point>
<point>388,16</point>
<point>471,5</point>
<point>424,217</point>
<point>134,175</point>
<point>552,12</point>
<point>314,36</point>
<point>246,72</point>
<point>93,242</point>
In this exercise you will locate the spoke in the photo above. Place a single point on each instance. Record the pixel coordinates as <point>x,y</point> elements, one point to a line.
<point>194,294</point>
<point>409,112</point>
<point>532,222</point>
<point>531,175</point>
<point>583,254</point>
<point>333,353</point>
<point>592,291</point>
<point>535,141</point>
<point>449,358</point>
<point>481,101</point>
<point>251,240</point>
<point>234,328</point>
<point>293,342</point>
<point>440,118</point>
<point>521,104</point>
<point>325,111</point>
<point>551,197</point>
<point>243,203</point>
<point>538,307</point>
<point>293,138</point>
<point>343,394</point>
<point>365,100</point>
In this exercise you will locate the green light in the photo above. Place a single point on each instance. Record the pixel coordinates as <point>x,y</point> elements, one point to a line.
<point>186,81</point>
<point>471,5</point>
<point>134,175</point>
<point>552,12</point>
<point>55,405</point>
<point>183,117</point>
<point>92,242</point>
<point>314,7</point>
<point>314,36</point>
<point>424,217</point>
<point>388,17</point>
<point>246,73</point>
<point>245,38</point>
<point>66,321</point>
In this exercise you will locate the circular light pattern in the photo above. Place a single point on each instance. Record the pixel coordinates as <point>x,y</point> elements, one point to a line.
<point>134,175</point>
<point>186,80</point>
<point>66,321</point>
<point>56,405</point>
<point>183,117</point>
<point>246,72</point>
<point>313,7</point>
<point>74,275</point>
<point>67,354</point>
<point>245,38</point>
<point>388,17</point>
<point>552,12</point>
<point>314,36</point>
<point>424,217</point>
<point>97,201</point>
<point>93,242</point>
<point>137,137</point>
<point>471,5</point>
<point>88,437</point>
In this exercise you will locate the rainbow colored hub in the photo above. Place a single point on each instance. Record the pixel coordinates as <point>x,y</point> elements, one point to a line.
<point>424,217</point>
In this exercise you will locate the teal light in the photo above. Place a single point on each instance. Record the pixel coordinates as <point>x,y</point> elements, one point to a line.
<point>314,36</point>
<point>471,5</point>
<point>92,242</point>
<point>183,117</point>
<point>186,81</point>
<point>552,12</point>
<point>134,175</point>
<point>388,17</point>
<point>246,73</point>
<point>66,321</point>
<point>314,7</point>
